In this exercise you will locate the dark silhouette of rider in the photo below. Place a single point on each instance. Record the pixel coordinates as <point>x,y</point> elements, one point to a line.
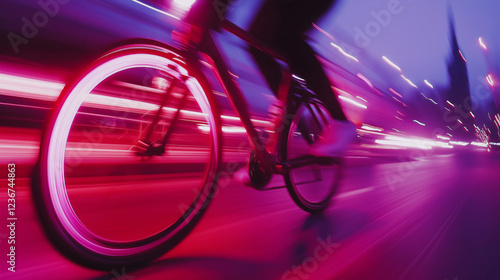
<point>281,24</point>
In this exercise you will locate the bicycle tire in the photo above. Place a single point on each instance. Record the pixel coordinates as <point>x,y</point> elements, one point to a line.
<point>295,143</point>
<point>61,224</point>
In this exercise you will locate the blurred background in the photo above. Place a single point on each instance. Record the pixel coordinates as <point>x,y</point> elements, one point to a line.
<point>419,199</point>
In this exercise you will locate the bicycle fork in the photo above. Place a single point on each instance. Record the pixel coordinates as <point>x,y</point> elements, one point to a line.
<point>144,147</point>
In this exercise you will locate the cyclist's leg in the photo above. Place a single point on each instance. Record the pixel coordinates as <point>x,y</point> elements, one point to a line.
<point>340,132</point>
<point>303,62</point>
<point>269,67</point>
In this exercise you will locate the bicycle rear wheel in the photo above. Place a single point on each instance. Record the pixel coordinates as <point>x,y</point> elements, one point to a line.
<point>101,204</point>
<point>310,181</point>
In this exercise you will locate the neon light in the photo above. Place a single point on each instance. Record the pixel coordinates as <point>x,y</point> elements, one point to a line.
<point>365,79</point>
<point>155,9</point>
<point>344,53</point>
<point>462,55</point>
<point>392,64</point>
<point>443,138</point>
<point>459,143</point>
<point>479,144</point>
<point>359,97</point>
<point>371,128</point>
<point>395,92</point>
<point>420,123</point>
<point>29,87</point>
<point>409,81</point>
<point>490,80</point>
<point>428,84</point>
<point>185,4</point>
<point>59,136</point>
<point>227,129</point>
<point>482,44</point>
<point>348,100</point>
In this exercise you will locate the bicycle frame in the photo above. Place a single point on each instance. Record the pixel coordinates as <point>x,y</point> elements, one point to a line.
<point>213,56</point>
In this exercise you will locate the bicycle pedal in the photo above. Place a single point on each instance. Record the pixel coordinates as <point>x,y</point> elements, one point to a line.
<point>148,149</point>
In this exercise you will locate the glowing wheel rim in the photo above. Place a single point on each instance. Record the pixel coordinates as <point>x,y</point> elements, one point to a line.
<point>55,153</point>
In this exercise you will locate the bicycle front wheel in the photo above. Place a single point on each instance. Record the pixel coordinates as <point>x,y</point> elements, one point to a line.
<point>101,203</point>
<point>311,182</point>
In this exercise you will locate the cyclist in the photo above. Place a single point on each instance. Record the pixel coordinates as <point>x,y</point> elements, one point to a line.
<point>281,24</point>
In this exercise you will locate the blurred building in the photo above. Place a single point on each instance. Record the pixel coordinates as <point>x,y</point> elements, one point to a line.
<point>460,117</point>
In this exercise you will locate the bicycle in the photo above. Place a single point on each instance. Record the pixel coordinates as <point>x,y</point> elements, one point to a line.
<point>311,181</point>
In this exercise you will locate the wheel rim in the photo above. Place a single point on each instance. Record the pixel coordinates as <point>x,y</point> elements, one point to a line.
<point>56,150</point>
<point>311,186</point>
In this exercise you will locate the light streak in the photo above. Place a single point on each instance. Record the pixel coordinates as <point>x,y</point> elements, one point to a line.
<point>395,93</point>
<point>409,81</point>
<point>459,143</point>
<point>156,9</point>
<point>185,4</point>
<point>344,53</point>
<point>462,55</point>
<point>365,79</point>
<point>482,44</point>
<point>392,64</point>
<point>490,80</point>
<point>371,128</point>
<point>420,123</point>
<point>348,100</point>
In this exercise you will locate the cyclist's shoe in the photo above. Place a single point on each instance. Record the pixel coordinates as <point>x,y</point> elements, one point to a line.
<point>335,139</point>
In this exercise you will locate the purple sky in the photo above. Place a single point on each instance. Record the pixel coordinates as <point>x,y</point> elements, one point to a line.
<point>417,37</point>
